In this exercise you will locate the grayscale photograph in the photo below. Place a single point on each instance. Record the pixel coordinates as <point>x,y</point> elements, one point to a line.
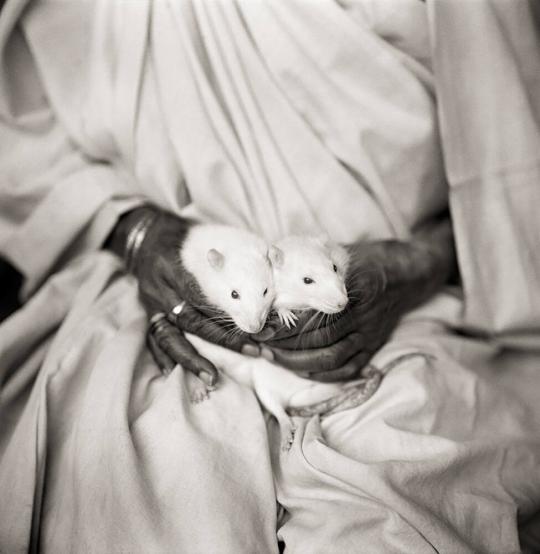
<point>269,276</point>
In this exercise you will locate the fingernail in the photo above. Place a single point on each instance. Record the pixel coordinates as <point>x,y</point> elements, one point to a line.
<point>267,354</point>
<point>250,350</point>
<point>207,379</point>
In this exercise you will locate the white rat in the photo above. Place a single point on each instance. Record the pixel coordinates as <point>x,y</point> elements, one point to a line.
<point>309,273</point>
<point>233,269</point>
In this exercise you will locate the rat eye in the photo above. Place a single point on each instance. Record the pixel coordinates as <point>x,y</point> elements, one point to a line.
<point>335,268</point>
<point>265,291</point>
<point>308,280</point>
<point>235,295</point>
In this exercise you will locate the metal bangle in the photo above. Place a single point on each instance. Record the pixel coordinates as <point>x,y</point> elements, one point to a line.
<point>135,238</point>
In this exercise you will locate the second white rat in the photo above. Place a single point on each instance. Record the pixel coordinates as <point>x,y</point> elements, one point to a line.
<point>309,273</point>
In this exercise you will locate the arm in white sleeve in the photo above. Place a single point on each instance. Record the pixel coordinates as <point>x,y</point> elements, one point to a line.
<point>487,68</point>
<point>54,200</point>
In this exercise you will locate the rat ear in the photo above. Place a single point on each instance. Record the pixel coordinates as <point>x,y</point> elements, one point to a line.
<point>341,257</point>
<point>215,259</point>
<point>325,240</point>
<point>276,256</point>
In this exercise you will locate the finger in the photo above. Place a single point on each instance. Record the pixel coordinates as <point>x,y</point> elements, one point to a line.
<point>157,294</point>
<point>172,341</point>
<point>170,286</point>
<point>334,329</point>
<point>349,371</point>
<point>332,332</point>
<point>193,321</point>
<point>307,321</point>
<point>164,362</point>
<point>318,359</point>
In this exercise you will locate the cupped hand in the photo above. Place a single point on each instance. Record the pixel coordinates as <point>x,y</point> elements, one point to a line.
<point>385,280</point>
<point>164,284</point>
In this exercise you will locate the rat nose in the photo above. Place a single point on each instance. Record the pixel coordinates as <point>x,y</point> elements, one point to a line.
<point>255,327</point>
<point>342,303</point>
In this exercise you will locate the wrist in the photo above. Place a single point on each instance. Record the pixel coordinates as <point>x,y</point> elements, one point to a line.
<point>161,239</point>
<point>428,256</point>
<point>437,240</point>
<point>130,231</point>
<point>410,271</point>
<point>414,273</point>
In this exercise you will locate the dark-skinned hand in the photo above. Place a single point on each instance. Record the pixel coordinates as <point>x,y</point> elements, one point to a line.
<point>163,284</point>
<point>385,280</point>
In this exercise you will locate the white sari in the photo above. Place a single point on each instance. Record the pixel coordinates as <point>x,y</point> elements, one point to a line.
<point>281,117</point>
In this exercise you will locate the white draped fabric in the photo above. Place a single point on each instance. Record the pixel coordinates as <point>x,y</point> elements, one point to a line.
<point>280,116</point>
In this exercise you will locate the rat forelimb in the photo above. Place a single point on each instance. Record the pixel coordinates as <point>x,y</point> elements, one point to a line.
<point>287,317</point>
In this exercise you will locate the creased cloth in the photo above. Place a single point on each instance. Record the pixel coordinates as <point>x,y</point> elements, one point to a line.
<point>362,119</point>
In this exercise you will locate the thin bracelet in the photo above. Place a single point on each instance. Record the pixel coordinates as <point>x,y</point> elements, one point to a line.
<point>135,239</point>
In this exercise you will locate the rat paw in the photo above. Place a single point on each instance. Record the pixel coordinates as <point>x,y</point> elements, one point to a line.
<point>287,317</point>
<point>197,390</point>
<point>198,396</point>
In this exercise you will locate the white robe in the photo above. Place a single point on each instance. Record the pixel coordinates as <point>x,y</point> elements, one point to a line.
<point>279,116</point>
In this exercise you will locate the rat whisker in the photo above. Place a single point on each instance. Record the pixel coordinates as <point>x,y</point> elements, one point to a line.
<point>328,321</point>
<point>327,307</point>
<point>230,334</point>
<point>228,326</point>
<point>206,307</point>
<point>316,315</point>
<point>218,319</point>
<point>308,323</point>
<point>320,319</point>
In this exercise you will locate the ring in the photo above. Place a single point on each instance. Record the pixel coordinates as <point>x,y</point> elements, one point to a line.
<point>177,310</point>
<point>156,321</point>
